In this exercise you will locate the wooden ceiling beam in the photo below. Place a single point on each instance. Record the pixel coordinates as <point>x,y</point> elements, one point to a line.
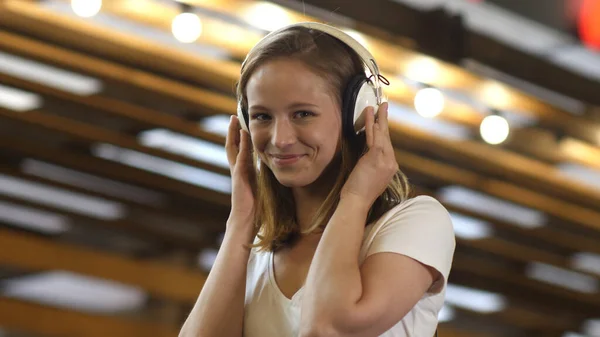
<point>33,253</point>
<point>112,170</point>
<point>164,207</point>
<point>49,321</point>
<point>17,315</point>
<point>171,237</point>
<point>119,47</point>
<point>503,162</point>
<point>483,274</point>
<point>450,174</point>
<point>444,146</point>
<point>111,72</point>
<point>92,134</point>
<point>472,151</point>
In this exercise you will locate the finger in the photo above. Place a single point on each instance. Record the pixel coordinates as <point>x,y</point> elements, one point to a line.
<point>382,116</point>
<point>383,139</point>
<point>232,141</point>
<point>244,155</point>
<point>369,123</point>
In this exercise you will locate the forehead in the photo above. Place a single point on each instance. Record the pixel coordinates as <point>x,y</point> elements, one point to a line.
<point>284,80</point>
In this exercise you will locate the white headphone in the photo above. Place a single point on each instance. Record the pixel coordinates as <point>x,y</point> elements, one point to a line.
<point>362,91</point>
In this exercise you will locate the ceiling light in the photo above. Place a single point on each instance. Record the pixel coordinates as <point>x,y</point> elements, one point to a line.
<point>422,69</point>
<point>185,145</point>
<point>18,100</point>
<point>562,277</point>
<point>167,168</point>
<point>267,16</point>
<point>360,38</point>
<point>469,228</point>
<point>73,291</point>
<point>47,75</point>
<point>33,219</point>
<point>186,27</point>
<point>429,102</point>
<point>206,258</point>
<point>485,204</point>
<point>446,314</point>
<point>494,129</point>
<point>92,182</point>
<point>406,115</point>
<point>86,8</point>
<point>588,262</point>
<point>217,124</point>
<point>60,198</point>
<point>592,327</point>
<point>584,174</point>
<point>474,299</point>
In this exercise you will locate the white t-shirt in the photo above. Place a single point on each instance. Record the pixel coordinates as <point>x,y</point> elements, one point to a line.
<point>419,228</point>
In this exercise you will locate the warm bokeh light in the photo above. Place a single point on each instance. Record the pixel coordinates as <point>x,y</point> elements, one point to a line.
<point>429,102</point>
<point>186,27</point>
<point>86,8</point>
<point>267,16</point>
<point>494,129</point>
<point>495,95</point>
<point>423,69</point>
<point>357,36</point>
<point>589,27</point>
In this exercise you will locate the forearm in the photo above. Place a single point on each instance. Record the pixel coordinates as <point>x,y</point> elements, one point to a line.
<point>333,286</point>
<point>219,310</point>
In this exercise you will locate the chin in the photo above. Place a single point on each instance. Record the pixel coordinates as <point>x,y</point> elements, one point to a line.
<point>292,180</point>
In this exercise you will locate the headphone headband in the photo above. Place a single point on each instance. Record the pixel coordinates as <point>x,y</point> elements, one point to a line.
<point>362,52</point>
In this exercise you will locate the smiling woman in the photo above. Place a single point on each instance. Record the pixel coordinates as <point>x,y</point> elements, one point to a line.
<point>323,238</point>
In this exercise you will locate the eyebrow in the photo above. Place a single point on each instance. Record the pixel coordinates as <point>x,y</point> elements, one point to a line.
<point>291,106</point>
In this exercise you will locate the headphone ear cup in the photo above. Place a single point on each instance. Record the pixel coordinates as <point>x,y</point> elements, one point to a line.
<point>359,95</point>
<point>349,103</point>
<point>242,117</point>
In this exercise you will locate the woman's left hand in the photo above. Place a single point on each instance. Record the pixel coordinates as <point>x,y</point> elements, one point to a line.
<point>377,167</point>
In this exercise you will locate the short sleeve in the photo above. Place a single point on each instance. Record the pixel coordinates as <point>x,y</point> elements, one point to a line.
<point>420,228</point>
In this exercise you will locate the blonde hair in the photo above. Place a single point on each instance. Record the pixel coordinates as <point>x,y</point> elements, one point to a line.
<point>275,214</point>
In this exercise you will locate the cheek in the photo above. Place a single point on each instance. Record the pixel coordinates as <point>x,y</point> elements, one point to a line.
<point>259,142</point>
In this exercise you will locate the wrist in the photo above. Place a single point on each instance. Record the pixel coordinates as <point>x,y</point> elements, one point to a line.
<point>356,202</point>
<point>240,225</point>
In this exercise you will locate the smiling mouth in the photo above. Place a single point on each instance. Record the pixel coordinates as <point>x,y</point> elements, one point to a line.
<point>286,160</point>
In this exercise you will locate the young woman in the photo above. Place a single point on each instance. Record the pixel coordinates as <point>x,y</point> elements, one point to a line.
<point>323,238</point>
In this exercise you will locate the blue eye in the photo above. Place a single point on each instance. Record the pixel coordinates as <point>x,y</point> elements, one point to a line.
<point>260,116</point>
<point>304,114</point>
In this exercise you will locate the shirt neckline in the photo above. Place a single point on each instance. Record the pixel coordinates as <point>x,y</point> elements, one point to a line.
<point>274,282</point>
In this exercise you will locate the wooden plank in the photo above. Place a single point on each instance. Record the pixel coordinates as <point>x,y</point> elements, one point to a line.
<point>585,217</point>
<point>164,208</point>
<point>113,45</point>
<point>172,237</point>
<point>533,291</point>
<point>49,321</point>
<point>112,170</point>
<point>503,165</point>
<point>16,314</point>
<point>205,100</point>
<point>92,134</point>
<point>32,253</point>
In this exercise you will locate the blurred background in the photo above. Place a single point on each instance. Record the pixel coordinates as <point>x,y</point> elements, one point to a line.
<point>114,184</point>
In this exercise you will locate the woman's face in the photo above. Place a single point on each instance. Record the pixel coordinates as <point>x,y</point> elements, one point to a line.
<point>295,122</point>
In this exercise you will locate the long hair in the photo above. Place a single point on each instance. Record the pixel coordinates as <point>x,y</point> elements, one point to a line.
<point>275,213</point>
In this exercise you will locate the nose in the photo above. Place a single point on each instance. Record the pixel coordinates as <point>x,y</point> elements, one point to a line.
<point>283,133</point>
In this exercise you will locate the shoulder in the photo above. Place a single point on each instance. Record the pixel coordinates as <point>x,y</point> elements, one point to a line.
<point>421,211</point>
<point>420,228</point>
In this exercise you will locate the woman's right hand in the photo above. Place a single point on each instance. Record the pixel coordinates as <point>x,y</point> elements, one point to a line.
<point>239,155</point>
